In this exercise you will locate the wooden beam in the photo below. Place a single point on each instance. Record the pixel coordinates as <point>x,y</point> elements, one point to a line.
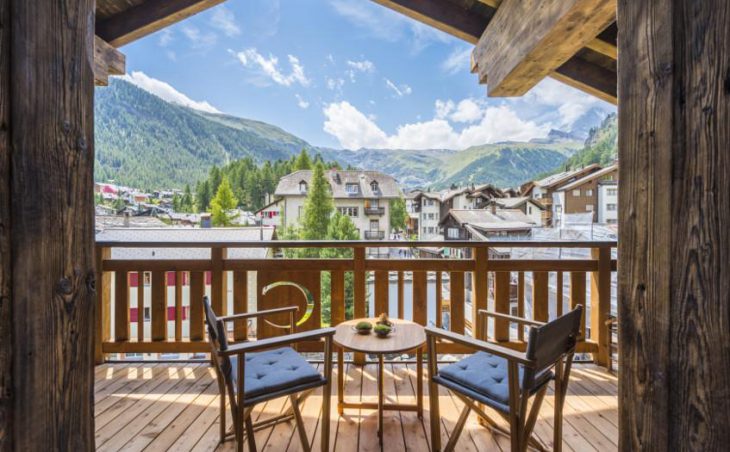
<point>528,39</point>
<point>674,201</point>
<point>107,61</point>
<point>443,15</point>
<point>148,17</point>
<point>6,319</point>
<point>47,126</point>
<point>601,44</point>
<point>588,77</point>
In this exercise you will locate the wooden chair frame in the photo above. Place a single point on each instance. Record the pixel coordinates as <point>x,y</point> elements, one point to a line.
<point>243,426</point>
<point>521,421</point>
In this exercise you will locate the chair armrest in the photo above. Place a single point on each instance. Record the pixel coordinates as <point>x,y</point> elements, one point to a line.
<point>254,346</point>
<point>511,318</point>
<point>494,349</point>
<point>250,315</point>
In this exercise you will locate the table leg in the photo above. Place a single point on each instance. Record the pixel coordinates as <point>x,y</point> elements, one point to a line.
<point>340,380</point>
<point>380,398</point>
<point>419,382</point>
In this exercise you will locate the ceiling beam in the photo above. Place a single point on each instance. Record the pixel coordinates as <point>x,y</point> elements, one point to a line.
<point>588,77</point>
<point>107,61</point>
<point>148,17</point>
<point>601,44</point>
<point>442,15</point>
<point>529,39</point>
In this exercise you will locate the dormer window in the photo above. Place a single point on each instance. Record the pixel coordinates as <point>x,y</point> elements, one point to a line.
<point>352,189</point>
<point>302,187</point>
<point>374,186</point>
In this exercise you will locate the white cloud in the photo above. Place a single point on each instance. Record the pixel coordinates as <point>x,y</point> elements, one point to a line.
<point>251,58</point>
<point>352,128</point>
<point>165,37</point>
<point>459,60</point>
<point>224,20</point>
<point>570,102</point>
<point>166,92</point>
<point>355,130</point>
<point>467,111</point>
<point>335,84</point>
<point>398,90</point>
<point>444,108</point>
<point>303,104</point>
<point>198,39</point>
<point>362,66</point>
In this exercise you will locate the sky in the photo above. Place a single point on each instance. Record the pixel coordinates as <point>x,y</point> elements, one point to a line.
<point>343,74</point>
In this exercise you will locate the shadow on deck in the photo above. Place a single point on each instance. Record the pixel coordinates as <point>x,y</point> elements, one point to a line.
<point>159,407</point>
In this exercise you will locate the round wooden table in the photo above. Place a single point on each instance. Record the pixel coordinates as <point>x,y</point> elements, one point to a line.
<point>406,336</point>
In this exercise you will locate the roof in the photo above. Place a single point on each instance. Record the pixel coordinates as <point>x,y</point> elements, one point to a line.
<point>338,179</point>
<point>191,235</point>
<point>593,176</point>
<point>272,203</point>
<point>117,221</point>
<point>515,203</point>
<point>556,180</point>
<point>484,219</point>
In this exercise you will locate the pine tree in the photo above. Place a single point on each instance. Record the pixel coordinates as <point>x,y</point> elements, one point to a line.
<point>187,200</point>
<point>176,203</point>
<point>202,196</point>
<point>340,228</point>
<point>303,161</point>
<point>222,203</point>
<point>318,206</point>
<point>398,214</point>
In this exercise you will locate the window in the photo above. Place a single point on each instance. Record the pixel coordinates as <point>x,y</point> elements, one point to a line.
<point>147,279</point>
<point>589,192</point>
<point>589,208</point>
<point>147,314</point>
<point>431,216</point>
<point>576,192</point>
<point>611,207</point>
<point>453,233</point>
<point>302,187</point>
<point>611,221</point>
<point>611,192</point>
<point>529,210</point>
<point>352,189</point>
<point>374,186</point>
<point>374,225</point>
<point>430,230</point>
<point>352,212</point>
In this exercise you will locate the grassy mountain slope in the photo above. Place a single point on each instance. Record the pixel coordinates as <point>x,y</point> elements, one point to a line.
<point>601,146</point>
<point>143,141</point>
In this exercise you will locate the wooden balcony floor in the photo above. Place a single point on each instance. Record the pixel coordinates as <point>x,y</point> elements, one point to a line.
<point>175,407</point>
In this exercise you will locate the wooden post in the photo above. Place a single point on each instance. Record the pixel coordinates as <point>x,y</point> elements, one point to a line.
<point>47,274</point>
<point>359,290</point>
<point>480,290</point>
<point>218,282</point>
<point>102,332</point>
<point>240,304</point>
<point>540,291</point>
<point>501,304</point>
<point>674,247</point>
<point>601,304</point>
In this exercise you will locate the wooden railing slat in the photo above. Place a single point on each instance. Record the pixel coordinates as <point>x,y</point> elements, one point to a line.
<point>456,302</point>
<point>240,304</point>
<point>480,288</point>
<point>420,297</point>
<point>359,290</point>
<point>197,291</point>
<point>501,304</point>
<point>401,295</point>
<point>601,303</point>
<point>121,306</point>
<point>178,305</point>
<point>439,299</point>
<point>159,306</point>
<point>578,296</point>
<point>559,281</point>
<point>540,296</point>
<point>140,306</point>
<point>337,296</point>
<point>218,282</point>
<point>521,303</point>
<point>381,292</point>
<point>103,303</point>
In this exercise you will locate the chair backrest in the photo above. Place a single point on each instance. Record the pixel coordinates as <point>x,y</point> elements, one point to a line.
<point>218,341</point>
<point>550,342</point>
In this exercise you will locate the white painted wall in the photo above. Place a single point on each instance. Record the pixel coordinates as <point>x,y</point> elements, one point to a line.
<point>430,217</point>
<point>607,199</point>
<point>293,205</point>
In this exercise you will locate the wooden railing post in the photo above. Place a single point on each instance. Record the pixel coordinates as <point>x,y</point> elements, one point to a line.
<point>240,304</point>
<point>601,303</point>
<point>540,294</point>
<point>359,289</point>
<point>104,303</point>
<point>480,289</point>
<point>218,281</point>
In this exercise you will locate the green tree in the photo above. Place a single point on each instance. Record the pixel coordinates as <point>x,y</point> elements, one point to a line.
<point>222,203</point>
<point>340,228</point>
<point>318,206</point>
<point>176,203</point>
<point>187,200</point>
<point>119,204</point>
<point>202,196</point>
<point>398,214</point>
<point>303,161</point>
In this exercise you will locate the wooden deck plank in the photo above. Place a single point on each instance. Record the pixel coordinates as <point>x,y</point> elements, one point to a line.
<point>155,407</point>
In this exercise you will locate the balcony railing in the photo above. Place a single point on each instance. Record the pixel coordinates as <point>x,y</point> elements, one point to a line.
<point>379,211</point>
<point>174,323</point>
<point>374,235</point>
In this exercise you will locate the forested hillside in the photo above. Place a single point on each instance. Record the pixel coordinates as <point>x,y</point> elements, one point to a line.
<point>601,146</point>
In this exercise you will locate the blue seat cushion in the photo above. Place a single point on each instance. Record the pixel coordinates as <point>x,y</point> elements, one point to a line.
<point>483,377</point>
<point>275,370</point>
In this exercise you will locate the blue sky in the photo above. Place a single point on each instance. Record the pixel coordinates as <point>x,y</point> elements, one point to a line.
<point>341,73</point>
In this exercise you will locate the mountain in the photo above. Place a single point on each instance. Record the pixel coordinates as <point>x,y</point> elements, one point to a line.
<point>144,141</point>
<point>600,147</point>
<point>582,126</point>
